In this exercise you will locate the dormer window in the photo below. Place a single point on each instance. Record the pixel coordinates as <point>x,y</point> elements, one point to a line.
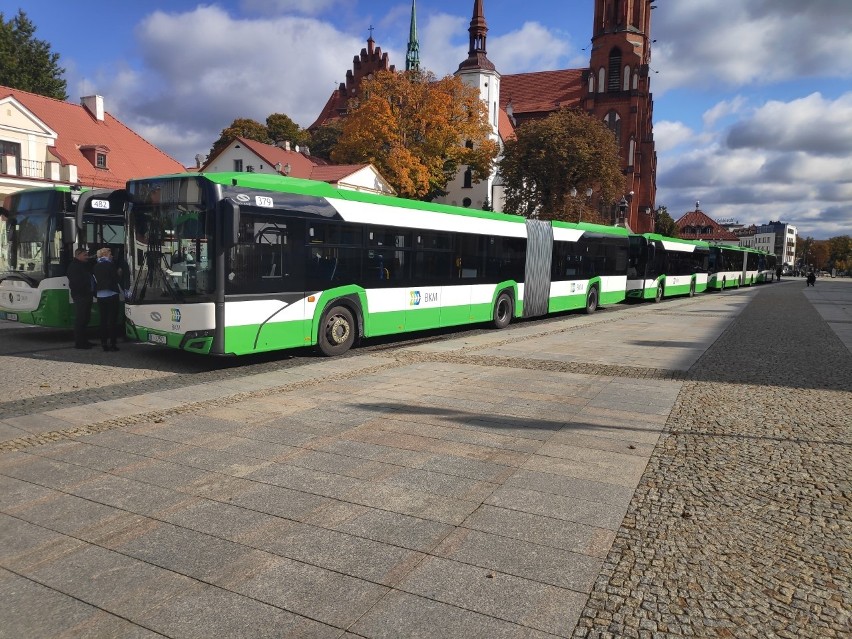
<point>96,154</point>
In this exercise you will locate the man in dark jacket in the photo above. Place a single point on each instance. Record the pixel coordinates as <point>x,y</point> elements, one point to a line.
<point>108,279</point>
<point>80,283</point>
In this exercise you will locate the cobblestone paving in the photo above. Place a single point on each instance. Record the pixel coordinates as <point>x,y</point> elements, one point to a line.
<point>742,523</point>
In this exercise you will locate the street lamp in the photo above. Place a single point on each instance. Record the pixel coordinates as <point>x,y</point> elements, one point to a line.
<point>622,209</point>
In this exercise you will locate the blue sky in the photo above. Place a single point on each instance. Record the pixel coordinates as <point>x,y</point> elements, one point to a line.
<point>752,98</point>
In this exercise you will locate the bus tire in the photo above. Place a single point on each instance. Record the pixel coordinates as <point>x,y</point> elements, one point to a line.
<point>592,300</point>
<point>692,289</point>
<point>658,297</point>
<point>502,315</point>
<point>336,331</point>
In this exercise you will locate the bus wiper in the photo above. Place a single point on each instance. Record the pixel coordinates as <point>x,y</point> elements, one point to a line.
<point>18,275</point>
<point>157,268</point>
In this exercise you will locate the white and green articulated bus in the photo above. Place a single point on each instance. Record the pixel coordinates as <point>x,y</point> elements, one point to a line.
<point>39,230</point>
<point>729,267</point>
<point>238,263</point>
<point>661,266</point>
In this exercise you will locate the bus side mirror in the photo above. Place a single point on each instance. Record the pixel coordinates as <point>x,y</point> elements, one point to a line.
<point>69,230</point>
<point>229,214</point>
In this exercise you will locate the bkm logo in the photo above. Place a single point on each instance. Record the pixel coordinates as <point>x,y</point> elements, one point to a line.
<point>415,298</point>
<point>175,314</point>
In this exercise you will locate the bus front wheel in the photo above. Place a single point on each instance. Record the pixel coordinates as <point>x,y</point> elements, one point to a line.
<point>658,297</point>
<point>502,311</point>
<point>337,331</point>
<point>692,289</point>
<point>592,300</point>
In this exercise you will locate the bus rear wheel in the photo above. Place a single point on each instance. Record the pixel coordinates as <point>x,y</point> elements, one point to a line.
<point>592,300</point>
<point>502,311</point>
<point>336,331</point>
<point>692,289</point>
<point>658,296</point>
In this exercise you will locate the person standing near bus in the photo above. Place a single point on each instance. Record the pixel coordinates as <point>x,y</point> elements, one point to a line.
<point>81,286</point>
<point>108,289</point>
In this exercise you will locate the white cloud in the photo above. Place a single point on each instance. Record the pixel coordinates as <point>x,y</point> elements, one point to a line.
<point>204,68</point>
<point>811,124</point>
<point>703,43</point>
<point>670,135</point>
<point>282,7</point>
<point>533,47</point>
<point>722,110</point>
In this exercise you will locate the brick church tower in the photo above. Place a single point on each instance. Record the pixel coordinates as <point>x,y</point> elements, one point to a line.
<point>617,90</point>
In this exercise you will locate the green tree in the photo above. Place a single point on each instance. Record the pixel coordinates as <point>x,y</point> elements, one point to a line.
<point>418,131</point>
<point>324,139</point>
<point>551,157</point>
<point>241,128</point>
<point>27,63</point>
<point>280,128</point>
<point>839,251</point>
<point>664,224</point>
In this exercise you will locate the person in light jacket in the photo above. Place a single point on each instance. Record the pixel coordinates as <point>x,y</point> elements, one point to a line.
<point>108,293</point>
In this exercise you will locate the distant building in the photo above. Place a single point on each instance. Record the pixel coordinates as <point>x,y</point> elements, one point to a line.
<point>48,142</point>
<point>778,238</point>
<point>251,156</point>
<point>697,225</point>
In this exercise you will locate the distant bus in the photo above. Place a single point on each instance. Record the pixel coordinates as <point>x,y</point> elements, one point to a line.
<point>39,230</point>
<point>278,262</point>
<point>767,267</point>
<point>662,266</point>
<point>728,267</point>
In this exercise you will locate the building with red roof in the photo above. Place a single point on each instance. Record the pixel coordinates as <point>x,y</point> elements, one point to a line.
<point>697,225</point>
<point>46,142</point>
<point>243,154</point>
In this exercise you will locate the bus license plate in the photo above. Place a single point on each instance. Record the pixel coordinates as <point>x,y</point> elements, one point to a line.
<point>12,317</point>
<point>156,339</point>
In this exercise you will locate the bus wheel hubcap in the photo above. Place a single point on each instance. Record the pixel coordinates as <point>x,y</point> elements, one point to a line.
<point>338,330</point>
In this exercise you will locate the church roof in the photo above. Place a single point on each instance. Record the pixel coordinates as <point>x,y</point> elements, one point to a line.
<point>542,91</point>
<point>128,154</point>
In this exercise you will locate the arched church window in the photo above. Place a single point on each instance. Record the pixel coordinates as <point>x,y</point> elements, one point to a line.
<point>632,152</point>
<point>591,83</point>
<point>614,83</point>
<point>601,80</point>
<point>468,179</point>
<point>613,123</point>
<point>636,79</point>
<point>626,85</point>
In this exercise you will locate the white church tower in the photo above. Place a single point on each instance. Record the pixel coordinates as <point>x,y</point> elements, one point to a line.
<point>479,72</point>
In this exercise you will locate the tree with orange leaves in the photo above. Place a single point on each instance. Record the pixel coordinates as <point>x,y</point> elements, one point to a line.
<point>417,131</point>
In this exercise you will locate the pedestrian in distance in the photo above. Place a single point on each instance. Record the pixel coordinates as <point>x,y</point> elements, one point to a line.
<point>81,285</point>
<point>108,293</point>
<point>811,279</point>
<point>778,272</point>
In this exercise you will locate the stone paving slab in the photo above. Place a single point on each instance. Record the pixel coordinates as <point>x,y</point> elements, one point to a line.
<point>439,489</point>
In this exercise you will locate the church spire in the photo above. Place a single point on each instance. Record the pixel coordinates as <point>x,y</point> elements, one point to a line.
<point>476,58</point>
<point>412,56</point>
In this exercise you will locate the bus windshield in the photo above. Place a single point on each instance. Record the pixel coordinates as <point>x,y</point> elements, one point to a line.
<point>170,247</point>
<point>30,237</point>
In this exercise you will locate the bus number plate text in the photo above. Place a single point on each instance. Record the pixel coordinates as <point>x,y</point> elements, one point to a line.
<point>100,204</point>
<point>156,339</point>
<point>264,201</point>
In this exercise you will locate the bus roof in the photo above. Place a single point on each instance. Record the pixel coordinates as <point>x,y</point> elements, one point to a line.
<point>300,186</point>
<point>665,238</point>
